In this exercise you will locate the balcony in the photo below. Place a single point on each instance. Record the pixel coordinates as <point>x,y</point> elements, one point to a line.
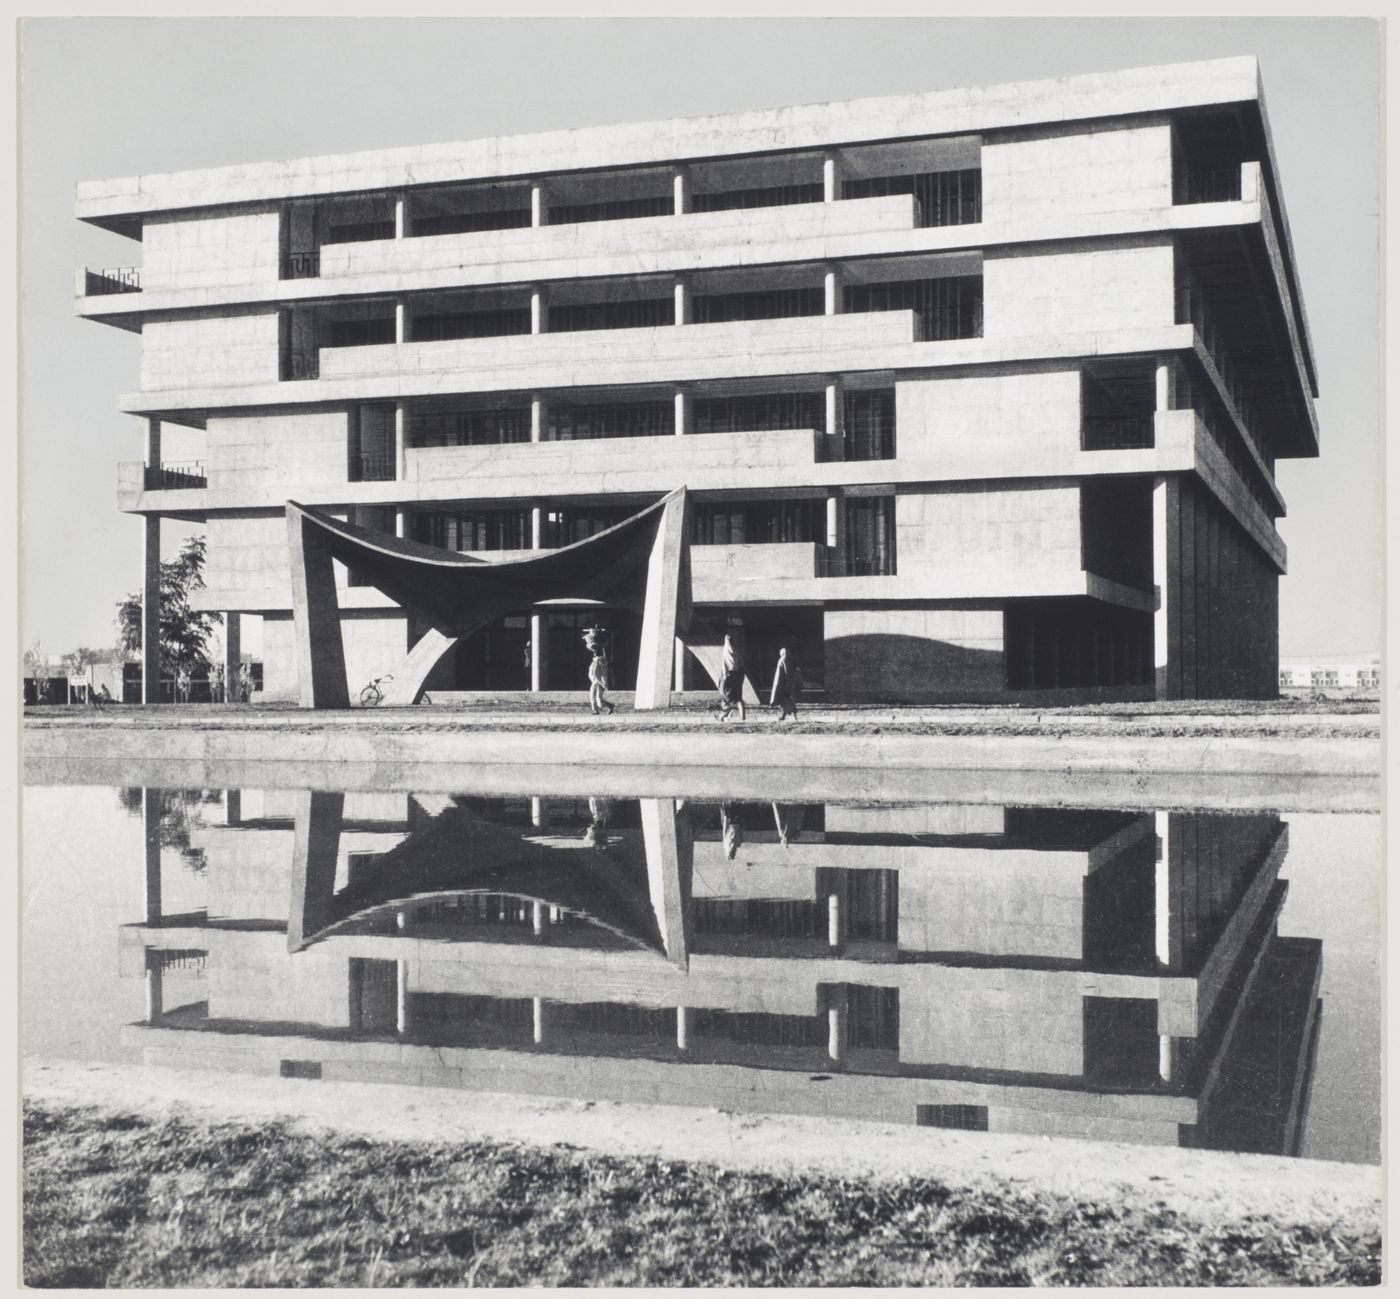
<point>181,477</point>
<point>1135,433</point>
<point>1210,185</point>
<point>104,283</point>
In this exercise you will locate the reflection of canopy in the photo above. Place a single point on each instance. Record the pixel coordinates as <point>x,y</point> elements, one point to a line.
<point>641,564</point>
<point>459,853</point>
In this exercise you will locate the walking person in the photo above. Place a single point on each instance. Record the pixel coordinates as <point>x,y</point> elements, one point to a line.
<point>597,674</point>
<point>787,686</point>
<point>731,682</point>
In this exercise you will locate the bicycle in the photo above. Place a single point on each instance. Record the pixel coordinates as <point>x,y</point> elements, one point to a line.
<point>372,696</point>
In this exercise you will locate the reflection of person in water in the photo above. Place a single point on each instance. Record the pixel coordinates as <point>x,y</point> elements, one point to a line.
<point>596,836</point>
<point>788,818</point>
<point>730,829</point>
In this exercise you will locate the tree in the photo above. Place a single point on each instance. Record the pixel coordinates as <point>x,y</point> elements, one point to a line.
<point>184,631</point>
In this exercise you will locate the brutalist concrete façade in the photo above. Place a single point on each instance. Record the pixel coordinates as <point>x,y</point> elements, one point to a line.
<point>977,393</point>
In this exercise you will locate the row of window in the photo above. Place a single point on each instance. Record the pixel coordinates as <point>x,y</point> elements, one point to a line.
<point>941,199</point>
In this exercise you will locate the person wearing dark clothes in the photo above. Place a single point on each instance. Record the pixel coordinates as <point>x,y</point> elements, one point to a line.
<point>787,686</point>
<point>731,683</point>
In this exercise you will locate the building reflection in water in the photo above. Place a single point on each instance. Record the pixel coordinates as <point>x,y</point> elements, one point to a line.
<point>1104,974</point>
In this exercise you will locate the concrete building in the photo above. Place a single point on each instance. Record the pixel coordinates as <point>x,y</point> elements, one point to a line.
<point>977,393</point>
<point>1102,974</point>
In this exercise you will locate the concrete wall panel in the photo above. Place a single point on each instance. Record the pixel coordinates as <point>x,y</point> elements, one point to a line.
<point>208,250</point>
<point>996,414</point>
<point>210,350</point>
<point>249,453</point>
<point>913,655</point>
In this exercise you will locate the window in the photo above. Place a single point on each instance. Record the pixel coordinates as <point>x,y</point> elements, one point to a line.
<point>870,534</point>
<point>621,209</point>
<point>765,304</point>
<point>945,198</point>
<point>478,530</point>
<point>471,324</point>
<point>759,412</point>
<point>870,425</point>
<point>469,427</point>
<point>643,313</point>
<point>570,422</point>
<point>758,523</point>
<point>963,1118</point>
<point>946,308</point>
<point>765,196</point>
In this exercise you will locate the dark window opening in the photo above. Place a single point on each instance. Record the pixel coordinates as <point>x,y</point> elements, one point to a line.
<point>759,412</point>
<point>469,427</point>
<point>373,995</point>
<point>870,536</point>
<point>869,901</point>
<point>1120,910</point>
<point>761,196</point>
<point>946,308</point>
<point>471,324</point>
<point>622,209</point>
<point>572,422</point>
<point>945,198</point>
<point>359,333</point>
<point>644,313</point>
<point>1117,405</point>
<point>1067,643</point>
<point>870,425</point>
<point>1207,150</point>
<point>495,658</point>
<point>1116,529</point>
<point>478,530</point>
<point>758,523</point>
<point>1120,1041</point>
<point>763,304</point>
<point>760,1029</point>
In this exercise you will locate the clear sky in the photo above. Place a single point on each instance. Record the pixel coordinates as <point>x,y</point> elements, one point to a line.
<point>118,97</point>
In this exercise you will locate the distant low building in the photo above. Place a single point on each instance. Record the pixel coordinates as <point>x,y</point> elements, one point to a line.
<point>1353,674</point>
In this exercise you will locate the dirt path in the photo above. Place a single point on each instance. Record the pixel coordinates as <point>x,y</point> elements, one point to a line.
<point>1192,1183</point>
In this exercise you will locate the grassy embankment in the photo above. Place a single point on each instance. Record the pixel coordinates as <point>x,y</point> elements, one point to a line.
<point>117,1199</point>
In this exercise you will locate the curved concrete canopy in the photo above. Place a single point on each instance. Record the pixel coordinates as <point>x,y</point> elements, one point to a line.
<point>641,564</point>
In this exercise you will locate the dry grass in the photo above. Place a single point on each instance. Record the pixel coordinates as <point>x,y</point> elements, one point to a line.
<point>115,1199</point>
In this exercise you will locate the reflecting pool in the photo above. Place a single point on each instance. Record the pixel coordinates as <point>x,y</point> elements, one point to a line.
<point>1164,977</point>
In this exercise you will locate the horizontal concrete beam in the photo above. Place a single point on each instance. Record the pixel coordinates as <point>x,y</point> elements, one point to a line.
<point>939,112</point>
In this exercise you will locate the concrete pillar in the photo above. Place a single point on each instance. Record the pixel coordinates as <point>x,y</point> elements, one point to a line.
<point>539,1020</point>
<point>155,988</point>
<point>1166,527</point>
<point>680,190</point>
<point>150,612</point>
<point>679,683</point>
<point>1164,385</point>
<point>537,418</point>
<point>539,320</point>
<point>400,441</point>
<point>539,651</point>
<point>539,204</point>
<point>539,813</point>
<point>1167,926</point>
<point>835,407</point>
<point>233,653</point>
<point>400,320</point>
<point>680,289</point>
<point>831,177</point>
<point>835,921</point>
<point>402,1019</point>
<point>153,444</point>
<point>684,404</point>
<point>401,919</point>
<point>835,532</point>
<point>401,522</point>
<point>537,919</point>
<point>401,214</point>
<point>233,807</point>
<point>1166,1058</point>
<point>837,1025</point>
<point>537,511</point>
<point>150,822</point>
<point>682,1028</point>
<point>833,280</point>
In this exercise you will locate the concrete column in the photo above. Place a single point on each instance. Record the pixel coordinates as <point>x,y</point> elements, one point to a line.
<point>683,412</point>
<point>834,280</point>
<point>1164,385</point>
<point>401,919</point>
<point>680,290</point>
<point>155,988</point>
<point>401,215</point>
<point>837,1026</point>
<point>400,441</point>
<point>836,532</point>
<point>150,613</point>
<point>680,189</point>
<point>539,651</point>
<point>680,665</point>
<point>682,1028</point>
<point>401,522</point>
<point>537,418</point>
<point>539,1019</point>
<point>153,444</point>
<point>1167,927</point>
<point>539,814</point>
<point>831,177</point>
<point>835,407</point>
<point>537,918</point>
<point>403,1020</point>
<point>539,203</point>
<point>233,807</point>
<point>539,320</point>
<point>835,921</point>
<point>150,822</point>
<point>233,653</point>
<point>537,525</point>
<point>1166,1058</point>
<point>400,320</point>
<point>1166,526</point>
